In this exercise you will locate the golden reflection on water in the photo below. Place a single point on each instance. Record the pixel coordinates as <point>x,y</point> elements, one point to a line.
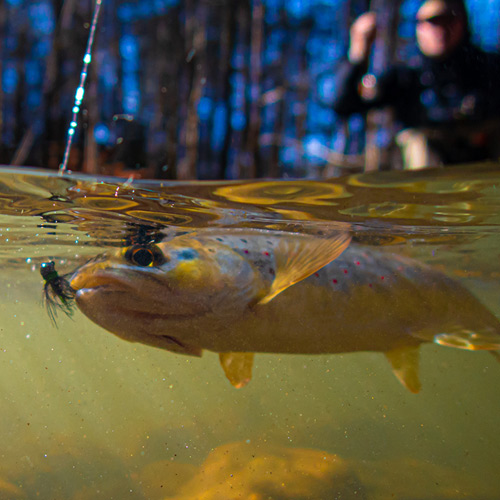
<point>86,415</point>
<point>273,192</point>
<point>424,199</point>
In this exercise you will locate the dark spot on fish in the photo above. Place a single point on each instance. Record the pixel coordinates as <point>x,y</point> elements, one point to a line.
<point>271,271</point>
<point>244,241</point>
<point>316,274</point>
<point>269,243</point>
<point>219,239</point>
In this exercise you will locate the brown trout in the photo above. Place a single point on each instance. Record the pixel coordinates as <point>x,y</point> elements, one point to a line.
<point>238,292</point>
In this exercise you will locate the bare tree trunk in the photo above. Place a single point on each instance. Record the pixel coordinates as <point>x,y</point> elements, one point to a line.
<point>224,72</point>
<point>238,156</point>
<point>30,135</point>
<point>385,47</point>
<point>170,54</point>
<point>256,39</point>
<point>196,25</point>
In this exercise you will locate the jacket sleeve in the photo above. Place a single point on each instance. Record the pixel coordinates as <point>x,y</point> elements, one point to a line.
<point>348,99</point>
<point>489,78</point>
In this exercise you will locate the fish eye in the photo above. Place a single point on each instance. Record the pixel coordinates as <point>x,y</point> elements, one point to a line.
<point>145,256</point>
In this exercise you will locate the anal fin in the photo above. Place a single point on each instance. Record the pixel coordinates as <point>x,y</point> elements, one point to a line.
<point>404,362</point>
<point>238,367</point>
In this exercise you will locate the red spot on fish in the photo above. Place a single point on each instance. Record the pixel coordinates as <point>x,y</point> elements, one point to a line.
<point>266,254</point>
<point>370,285</point>
<point>245,251</point>
<point>335,281</point>
<point>382,277</point>
<point>345,271</point>
<point>358,263</point>
<point>316,274</point>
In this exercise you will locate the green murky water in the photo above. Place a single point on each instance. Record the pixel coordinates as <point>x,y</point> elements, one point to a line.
<point>86,415</point>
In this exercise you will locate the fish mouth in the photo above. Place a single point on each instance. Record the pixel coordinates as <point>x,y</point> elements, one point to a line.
<point>100,285</point>
<point>97,278</point>
<point>109,289</point>
<point>99,275</point>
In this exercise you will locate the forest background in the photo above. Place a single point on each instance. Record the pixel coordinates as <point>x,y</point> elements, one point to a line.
<point>199,89</point>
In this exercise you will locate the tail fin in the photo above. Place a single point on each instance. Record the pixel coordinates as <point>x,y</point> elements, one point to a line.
<point>496,355</point>
<point>487,339</point>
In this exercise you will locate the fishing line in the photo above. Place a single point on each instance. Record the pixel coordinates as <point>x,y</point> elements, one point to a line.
<point>80,91</point>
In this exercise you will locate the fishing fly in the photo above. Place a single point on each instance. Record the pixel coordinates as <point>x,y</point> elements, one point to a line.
<point>57,292</point>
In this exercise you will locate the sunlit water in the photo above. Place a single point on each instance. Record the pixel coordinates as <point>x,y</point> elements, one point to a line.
<point>86,415</point>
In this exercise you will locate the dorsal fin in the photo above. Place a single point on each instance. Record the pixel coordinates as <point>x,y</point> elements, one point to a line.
<point>238,367</point>
<point>299,256</point>
<point>404,362</point>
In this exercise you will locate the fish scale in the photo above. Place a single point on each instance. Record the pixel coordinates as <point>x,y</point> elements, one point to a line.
<point>260,254</point>
<point>356,267</point>
<point>241,291</point>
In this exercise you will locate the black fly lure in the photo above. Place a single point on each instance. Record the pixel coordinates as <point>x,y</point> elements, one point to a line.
<point>57,292</point>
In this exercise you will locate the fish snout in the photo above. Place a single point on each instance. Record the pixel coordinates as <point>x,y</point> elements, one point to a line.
<point>93,275</point>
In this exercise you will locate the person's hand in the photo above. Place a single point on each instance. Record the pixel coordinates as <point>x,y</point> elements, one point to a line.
<point>362,33</point>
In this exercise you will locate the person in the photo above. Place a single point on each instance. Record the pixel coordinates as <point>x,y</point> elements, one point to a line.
<point>448,105</point>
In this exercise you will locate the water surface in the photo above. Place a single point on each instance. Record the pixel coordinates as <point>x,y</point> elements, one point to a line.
<point>86,415</point>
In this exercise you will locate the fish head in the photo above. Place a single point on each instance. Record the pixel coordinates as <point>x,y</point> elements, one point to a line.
<point>143,290</point>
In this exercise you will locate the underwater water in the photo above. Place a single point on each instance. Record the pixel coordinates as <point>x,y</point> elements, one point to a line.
<point>86,415</point>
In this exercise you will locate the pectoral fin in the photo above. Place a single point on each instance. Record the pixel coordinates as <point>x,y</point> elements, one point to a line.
<point>297,257</point>
<point>238,367</point>
<point>404,362</point>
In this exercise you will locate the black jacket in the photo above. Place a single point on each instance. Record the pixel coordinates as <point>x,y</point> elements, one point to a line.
<point>465,88</point>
